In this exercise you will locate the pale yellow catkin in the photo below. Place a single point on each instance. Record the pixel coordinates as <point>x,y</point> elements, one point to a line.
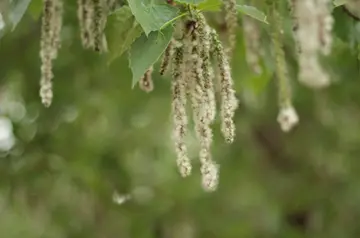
<point>312,35</point>
<point>180,120</point>
<point>201,93</point>
<point>326,22</point>
<point>85,14</point>
<point>209,109</point>
<point>253,47</point>
<point>287,117</point>
<point>231,21</point>
<point>49,45</point>
<point>229,102</point>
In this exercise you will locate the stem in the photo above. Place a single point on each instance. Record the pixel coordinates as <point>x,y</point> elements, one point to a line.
<point>174,19</point>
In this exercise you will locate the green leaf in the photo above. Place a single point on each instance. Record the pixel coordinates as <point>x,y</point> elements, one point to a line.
<point>252,12</point>
<point>210,5</point>
<point>17,11</point>
<point>338,3</point>
<point>35,9</point>
<point>192,2</point>
<point>146,51</point>
<point>122,30</point>
<point>151,16</point>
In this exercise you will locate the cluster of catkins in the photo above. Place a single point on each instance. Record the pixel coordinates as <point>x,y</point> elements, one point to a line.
<point>312,26</point>
<point>193,81</point>
<point>92,16</point>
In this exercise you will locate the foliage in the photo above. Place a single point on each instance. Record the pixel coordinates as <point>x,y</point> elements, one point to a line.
<point>146,50</point>
<point>99,162</point>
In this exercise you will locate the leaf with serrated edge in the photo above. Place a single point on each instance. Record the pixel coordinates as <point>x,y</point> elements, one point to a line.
<point>122,30</point>
<point>151,16</point>
<point>252,12</point>
<point>146,51</point>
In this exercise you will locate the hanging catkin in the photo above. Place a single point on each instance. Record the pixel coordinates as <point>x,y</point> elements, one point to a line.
<point>166,58</point>
<point>99,21</point>
<point>180,120</point>
<point>229,102</point>
<point>85,17</point>
<point>252,43</point>
<point>312,35</point>
<point>50,43</point>
<point>287,116</point>
<point>231,21</point>
<point>146,82</point>
<point>202,95</point>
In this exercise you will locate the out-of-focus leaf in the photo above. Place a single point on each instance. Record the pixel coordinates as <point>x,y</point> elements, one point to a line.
<point>338,3</point>
<point>146,51</point>
<point>35,9</point>
<point>151,16</point>
<point>353,7</point>
<point>17,11</point>
<point>211,5</point>
<point>2,26</point>
<point>192,2</point>
<point>2,23</point>
<point>122,31</point>
<point>252,12</point>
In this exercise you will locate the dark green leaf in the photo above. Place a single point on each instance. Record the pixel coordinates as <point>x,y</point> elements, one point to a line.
<point>152,16</point>
<point>146,51</point>
<point>122,30</point>
<point>252,12</point>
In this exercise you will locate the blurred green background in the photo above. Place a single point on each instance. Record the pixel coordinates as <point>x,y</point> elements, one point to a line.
<point>100,161</point>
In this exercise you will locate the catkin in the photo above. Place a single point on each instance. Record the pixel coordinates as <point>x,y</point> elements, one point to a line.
<point>166,58</point>
<point>111,5</point>
<point>252,44</point>
<point>179,111</point>
<point>84,12</point>
<point>98,22</point>
<point>146,83</point>
<point>325,24</point>
<point>206,111</point>
<point>229,101</point>
<point>209,111</point>
<point>49,45</point>
<point>209,171</point>
<point>231,22</point>
<point>287,116</point>
<point>312,35</point>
